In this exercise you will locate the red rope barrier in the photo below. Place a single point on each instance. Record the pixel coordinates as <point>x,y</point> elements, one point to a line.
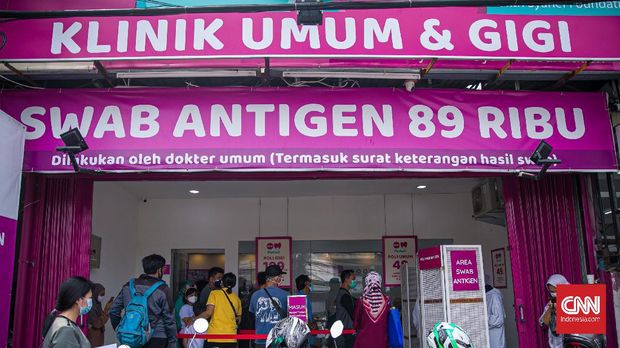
<point>246,335</point>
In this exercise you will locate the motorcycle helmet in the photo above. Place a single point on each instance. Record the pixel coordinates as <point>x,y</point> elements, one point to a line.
<point>448,335</point>
<point>289,332</point>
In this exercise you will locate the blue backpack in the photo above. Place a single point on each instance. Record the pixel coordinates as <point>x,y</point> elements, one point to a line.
<point>134,329</point>
<point>395,329</point>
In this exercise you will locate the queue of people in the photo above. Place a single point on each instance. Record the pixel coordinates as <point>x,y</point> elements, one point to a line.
<point>367,315</point>
<point>222,307</point>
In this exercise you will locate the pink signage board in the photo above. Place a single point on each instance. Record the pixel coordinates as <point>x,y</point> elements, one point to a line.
<point>464,270</point>
<point>113,66</point>
<point>429,258</point>
<point>456,33</point>
<point>314,129</point>
<point>297,307</point>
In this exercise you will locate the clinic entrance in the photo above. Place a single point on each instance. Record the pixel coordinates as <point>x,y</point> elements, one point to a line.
<point>334,224</point>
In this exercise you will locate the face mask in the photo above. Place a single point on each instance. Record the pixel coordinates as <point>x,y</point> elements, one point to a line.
<point>89,306</point>
<point>353,284</point>
<point>553,294</point>
<point>218,283</point>
<point>192,299</point>
<point>310,288</point>
<point>100,299</point>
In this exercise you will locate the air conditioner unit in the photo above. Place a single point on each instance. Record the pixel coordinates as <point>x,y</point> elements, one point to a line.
<point>488,202</point>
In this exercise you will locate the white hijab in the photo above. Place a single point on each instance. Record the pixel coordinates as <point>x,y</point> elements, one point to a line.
<point>557,279</point>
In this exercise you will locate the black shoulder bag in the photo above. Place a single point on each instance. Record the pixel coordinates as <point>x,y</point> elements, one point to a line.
<point>233,308</point>
<point>279,309</point>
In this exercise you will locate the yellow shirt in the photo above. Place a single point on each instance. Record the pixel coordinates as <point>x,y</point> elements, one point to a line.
<point>223,320</point>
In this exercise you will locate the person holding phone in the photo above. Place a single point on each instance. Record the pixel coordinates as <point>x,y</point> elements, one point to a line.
<point>548,318</point>
<point>98,316</point>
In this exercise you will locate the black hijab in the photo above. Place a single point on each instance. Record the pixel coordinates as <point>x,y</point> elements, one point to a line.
<point>97,309</point>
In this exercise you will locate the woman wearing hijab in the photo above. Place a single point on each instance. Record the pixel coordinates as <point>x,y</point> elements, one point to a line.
<point>371,314</point>
<point>548,317</point>
<point>98,316</point>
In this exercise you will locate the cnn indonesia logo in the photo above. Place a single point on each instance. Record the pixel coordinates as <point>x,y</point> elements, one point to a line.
<point>581,309</point>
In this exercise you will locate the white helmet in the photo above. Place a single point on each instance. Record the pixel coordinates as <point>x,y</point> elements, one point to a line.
<point>289,332</point>
<point>448,335</point>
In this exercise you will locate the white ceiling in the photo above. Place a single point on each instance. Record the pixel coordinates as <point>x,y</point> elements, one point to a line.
<point>210,189</point>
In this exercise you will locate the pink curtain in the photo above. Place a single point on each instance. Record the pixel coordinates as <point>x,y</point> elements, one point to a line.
<point>55,244</point>
<point>543,236</point>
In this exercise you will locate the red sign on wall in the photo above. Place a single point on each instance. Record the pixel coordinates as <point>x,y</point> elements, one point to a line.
<point>581,309</point>
<point>429,258</point>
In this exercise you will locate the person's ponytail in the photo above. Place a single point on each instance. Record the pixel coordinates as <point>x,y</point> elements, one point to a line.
<point>229,280</point>
<point>47,323</point>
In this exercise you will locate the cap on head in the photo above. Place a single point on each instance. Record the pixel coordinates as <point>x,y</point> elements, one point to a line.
<point>273,271</point>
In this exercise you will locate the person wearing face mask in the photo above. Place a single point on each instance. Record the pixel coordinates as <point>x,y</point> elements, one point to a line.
<point>215,282</point>
<point>371,314</point>
<point>345,305</point>
<point>98,316</point>
<point>304,287</point>
<point>548,317</point>
<point>186,314</point>
<point>60,330</point>
<point>269,304</point>
<point>160,303</point>
<point>181,301</point>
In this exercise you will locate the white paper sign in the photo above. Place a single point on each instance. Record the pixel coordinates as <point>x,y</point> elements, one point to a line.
<point>398,253</point>
<point>275,251</point>
<point>500,279</point>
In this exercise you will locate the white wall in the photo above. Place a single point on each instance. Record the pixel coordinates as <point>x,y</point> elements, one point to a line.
<point>115,213</point>
<point>220,223</point>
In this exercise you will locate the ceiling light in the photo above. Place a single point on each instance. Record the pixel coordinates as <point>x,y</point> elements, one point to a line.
<point>421,187</point>
<point>194,192</point>
<point>344,74</point>
<point>184,73</point>
<point>50,67</point>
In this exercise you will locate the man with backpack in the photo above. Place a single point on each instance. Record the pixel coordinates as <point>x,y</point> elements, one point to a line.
<point>148,318</point>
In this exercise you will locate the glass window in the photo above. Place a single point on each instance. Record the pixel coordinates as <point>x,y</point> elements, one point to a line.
<point>607,200</point>
<point>322,261</point>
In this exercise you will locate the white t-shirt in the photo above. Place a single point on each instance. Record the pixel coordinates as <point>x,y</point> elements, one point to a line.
<point>186,312</point>
<point>196,343</point>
